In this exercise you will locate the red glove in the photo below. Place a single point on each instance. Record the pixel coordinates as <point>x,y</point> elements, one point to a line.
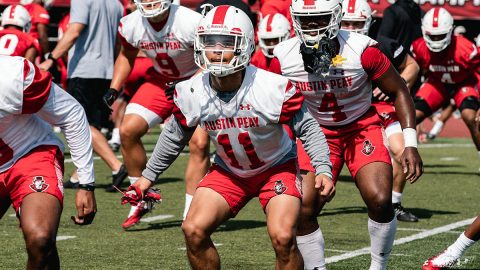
<point>133,196</point>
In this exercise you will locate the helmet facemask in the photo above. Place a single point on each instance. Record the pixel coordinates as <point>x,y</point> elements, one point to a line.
<point>152,8</point>
<point>220,47</point>
<point>360,25</point>
<point>437,42</point>
<point>267,44</point>
<point>312,27</point>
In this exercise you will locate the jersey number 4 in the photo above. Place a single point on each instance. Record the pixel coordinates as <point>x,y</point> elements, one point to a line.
<point>6,153</point>
<point>329,104</point>
<point>246,142</point>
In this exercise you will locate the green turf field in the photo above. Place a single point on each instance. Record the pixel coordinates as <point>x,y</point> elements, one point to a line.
<point>447,193</point>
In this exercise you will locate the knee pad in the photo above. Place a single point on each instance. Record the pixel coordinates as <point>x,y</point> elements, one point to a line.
<point>470,103</point>
<point>422,105</point>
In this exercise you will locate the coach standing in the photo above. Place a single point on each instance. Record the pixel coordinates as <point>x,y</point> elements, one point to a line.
<point>90,42</point>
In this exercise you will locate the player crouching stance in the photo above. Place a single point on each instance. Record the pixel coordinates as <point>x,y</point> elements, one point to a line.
<point>243,110</point>
<point>31,158</point>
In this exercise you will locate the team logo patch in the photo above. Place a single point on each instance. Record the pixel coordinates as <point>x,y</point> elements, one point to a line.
<point>38,184</point>
<point>385,116</point>
<point>279,188</point>
<point>368,148</point>
<point>338,60</point>
<point>245,107</point>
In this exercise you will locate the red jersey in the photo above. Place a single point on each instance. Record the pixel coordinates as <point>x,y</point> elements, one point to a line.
<point>14,42</point>
<point>39,15</point>
<point>261,61</point>
<point>453,65</point>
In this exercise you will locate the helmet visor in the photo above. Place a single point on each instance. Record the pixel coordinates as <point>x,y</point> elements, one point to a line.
<point>219,41</point>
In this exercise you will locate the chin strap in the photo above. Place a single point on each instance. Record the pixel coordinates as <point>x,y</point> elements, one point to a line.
<point>317,60</point>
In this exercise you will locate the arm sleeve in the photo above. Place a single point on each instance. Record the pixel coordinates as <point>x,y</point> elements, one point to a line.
<point>64,111</point>
<point>79,11</point>
<point>170,144</point>
<point>374,62</point>
<point>314,141</point>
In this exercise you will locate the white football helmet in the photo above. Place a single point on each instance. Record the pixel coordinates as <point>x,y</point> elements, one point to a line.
<point>271,27</point>
<point>328,13</point>
<point>227,27</point>
<point>152,8</point>
<point>437,27</point>
<point>357,11</point>
<point>18,16</point>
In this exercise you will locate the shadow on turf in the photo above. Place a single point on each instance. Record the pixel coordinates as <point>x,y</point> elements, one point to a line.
<point>443,166</point>
<point>421,213</point>
<point>231,225</point>
<point>126,183</point>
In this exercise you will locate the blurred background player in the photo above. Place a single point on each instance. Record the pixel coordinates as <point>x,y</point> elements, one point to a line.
<point>14,40</point>
<point>40,20</point>
<point>90,68</point>
<point>357,18</point>
<point>335,70</point>
<point>255,156</point>
<point>451,256</point>
<point>450,63</point>
<point>273,29</point>
<point>31,167</point>
<point>159,30</point>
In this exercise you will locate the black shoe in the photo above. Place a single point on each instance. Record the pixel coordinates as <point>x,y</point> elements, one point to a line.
<point>117,179</point>
<point>70,184</point>
<point>402,214</point>
<point>431,137</point>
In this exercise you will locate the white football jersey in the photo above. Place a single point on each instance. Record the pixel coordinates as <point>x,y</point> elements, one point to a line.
<point>340,96</point>
<point>20,130</point>
<point>247,130</point>
<point>171,49</point>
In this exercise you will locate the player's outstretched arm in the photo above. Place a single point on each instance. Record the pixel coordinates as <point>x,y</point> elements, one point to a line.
<point>392,84</point>
<point>64,111</point>
<point>309,132</point>
<point>170,144</point>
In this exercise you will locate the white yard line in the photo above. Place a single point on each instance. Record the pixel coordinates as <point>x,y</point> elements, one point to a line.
<point>65,237</point>
<point>421,235</point>
<point>69,160</point>
<point>411,229</point>
<point>445,145</point>
<point>154,218</point>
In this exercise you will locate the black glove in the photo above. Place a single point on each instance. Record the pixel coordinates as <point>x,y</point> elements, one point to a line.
<point>317,60</point>
<point>170,89</point>
<point>110,97</point>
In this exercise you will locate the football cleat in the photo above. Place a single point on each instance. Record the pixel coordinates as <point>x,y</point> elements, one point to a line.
<point>133,196</point>
<point>117,179</point>
<point>443,260</point>
<point>402,214</point>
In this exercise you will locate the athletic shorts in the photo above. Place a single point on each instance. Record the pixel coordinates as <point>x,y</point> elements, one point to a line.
<point>89,93</point>
<point>150,101</point>
<point>280,179</point>
<point>357,144</point>
<point>437,94</point>
<point>137,77</point>
<point>388,116</point>
<point>41,170</point>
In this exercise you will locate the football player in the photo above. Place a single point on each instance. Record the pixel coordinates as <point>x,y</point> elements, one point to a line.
<point>14,41</point>
<point>357,17</point>
<point>272,29</point>
<point>40,20</point>
<point>335,70</point>
<point>160,30</point>
<point>31,157</point>
<point>243,109</point>
<point>449,62</point>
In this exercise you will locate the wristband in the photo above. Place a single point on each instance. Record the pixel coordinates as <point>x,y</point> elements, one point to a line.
<point>86,187</point>
<point>410,137</point>
<point>50,56</point>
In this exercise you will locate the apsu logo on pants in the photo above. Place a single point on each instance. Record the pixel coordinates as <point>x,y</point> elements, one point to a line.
<point>368,148</point>
<point>279,188</point>
<point>38,184</point>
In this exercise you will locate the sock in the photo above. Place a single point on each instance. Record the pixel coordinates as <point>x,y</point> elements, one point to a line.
<point>381,242</point>
<point>132,210</point>
<point>115,172</point>
<point>115,136</point>
<point>396,197</point>
<point>73,180</point>
<point>312,248</point>
<point>133,179</point>
<point>478,154</point>
<point>437,127</point>
<point>188,201</point>
<point>462,244</point>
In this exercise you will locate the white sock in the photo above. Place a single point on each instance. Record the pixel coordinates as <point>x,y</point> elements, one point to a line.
<point>437,128</point>
<point>381,242</point>
<point>132,210</point>
<point>462,244</point>
<point>115,136</point>
<point>133,179</point>
<point>188,201</point>
<point>312,248</point>
<point>478,154</point>
<point>396,197</point>
<point>115,172</point>
<point>73,180</point>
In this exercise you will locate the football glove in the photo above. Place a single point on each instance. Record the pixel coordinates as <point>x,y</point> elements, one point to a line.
<point>133,196</point>
<point>110,97</point>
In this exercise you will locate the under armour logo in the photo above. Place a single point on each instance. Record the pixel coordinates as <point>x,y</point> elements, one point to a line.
<point>245,107</point>
<point>338,72</point>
